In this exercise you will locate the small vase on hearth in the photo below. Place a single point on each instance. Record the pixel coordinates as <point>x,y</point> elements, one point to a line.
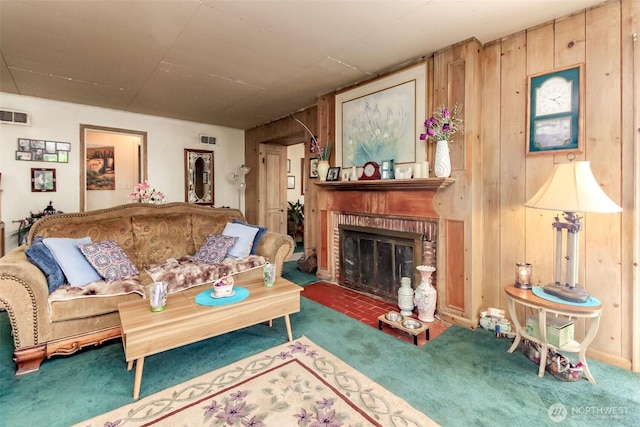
<point>405,297</point>
<point>425,294</point>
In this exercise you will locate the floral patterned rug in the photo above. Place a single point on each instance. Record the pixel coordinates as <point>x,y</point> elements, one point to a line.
<point>294,384</point>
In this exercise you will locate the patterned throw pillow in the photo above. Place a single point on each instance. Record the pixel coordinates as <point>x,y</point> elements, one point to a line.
<point>214,249</point>
<point>109,260</point>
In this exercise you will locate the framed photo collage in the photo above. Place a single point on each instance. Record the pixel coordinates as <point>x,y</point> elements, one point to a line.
<point>38,150</point>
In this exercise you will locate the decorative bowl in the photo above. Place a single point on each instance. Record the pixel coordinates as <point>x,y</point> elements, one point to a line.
<point>394,317</point>
<point>411,324</point>
<point>223,287</point>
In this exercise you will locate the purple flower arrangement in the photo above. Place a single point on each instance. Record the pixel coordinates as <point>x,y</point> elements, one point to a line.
<point>443,124</point>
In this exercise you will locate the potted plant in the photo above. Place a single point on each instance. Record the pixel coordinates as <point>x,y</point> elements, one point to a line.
<point>25,224</point>
<point>295,217</point>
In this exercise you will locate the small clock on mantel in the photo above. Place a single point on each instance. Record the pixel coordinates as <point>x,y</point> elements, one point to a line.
<point>370,171</point>
<point>556,103</point>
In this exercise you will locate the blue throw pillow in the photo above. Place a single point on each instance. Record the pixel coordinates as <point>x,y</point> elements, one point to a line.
<point>75,266</point>
<point>39,255</point>
<point>245,235</point>
<point>261,232</point>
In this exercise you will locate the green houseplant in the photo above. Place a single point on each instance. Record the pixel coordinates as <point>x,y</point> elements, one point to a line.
<point>295,217</point>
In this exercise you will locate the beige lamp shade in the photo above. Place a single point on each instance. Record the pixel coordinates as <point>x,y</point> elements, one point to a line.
<point>573,188</point>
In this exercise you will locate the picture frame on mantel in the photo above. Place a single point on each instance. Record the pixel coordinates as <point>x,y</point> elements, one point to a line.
<point>397,103</point>
<point>555,109</point>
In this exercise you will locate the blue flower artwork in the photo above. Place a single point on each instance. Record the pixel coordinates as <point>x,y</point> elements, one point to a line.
<point>380,126</point>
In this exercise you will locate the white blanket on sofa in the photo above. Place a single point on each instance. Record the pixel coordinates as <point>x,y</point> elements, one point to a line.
<point>180,274</point>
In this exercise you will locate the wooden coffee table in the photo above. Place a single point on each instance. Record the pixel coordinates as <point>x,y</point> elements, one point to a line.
<point>184,322</point>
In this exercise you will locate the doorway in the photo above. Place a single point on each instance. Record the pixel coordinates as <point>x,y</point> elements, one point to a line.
<point>115,160</point>
<point>273,197</point>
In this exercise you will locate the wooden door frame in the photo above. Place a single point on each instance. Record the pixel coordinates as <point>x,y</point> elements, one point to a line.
<point>83,155</point>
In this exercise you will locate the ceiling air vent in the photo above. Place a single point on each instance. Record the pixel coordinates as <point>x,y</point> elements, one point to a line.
<point>209,140</point>
<point>15,117</point>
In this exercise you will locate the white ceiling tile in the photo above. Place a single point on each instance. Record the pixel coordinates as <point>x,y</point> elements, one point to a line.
<point>235,63</point>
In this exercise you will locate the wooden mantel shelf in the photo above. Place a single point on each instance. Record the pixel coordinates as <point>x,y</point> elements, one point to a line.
<point>430,184</point>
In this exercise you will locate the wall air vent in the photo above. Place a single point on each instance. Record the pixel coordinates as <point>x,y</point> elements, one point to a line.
<point>209,140</point>
<point>15,117</point>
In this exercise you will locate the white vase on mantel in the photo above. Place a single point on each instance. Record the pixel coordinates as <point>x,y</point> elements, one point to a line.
<point>323,168</point>
<point>442,164</point>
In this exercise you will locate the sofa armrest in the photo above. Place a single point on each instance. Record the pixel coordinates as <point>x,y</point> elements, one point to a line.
<point>277,248</point>
<point>25,295</point>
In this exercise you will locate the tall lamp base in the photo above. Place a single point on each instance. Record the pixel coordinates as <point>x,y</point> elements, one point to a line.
<point>567,293</point>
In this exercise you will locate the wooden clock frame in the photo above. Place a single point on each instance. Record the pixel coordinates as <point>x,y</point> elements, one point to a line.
<point>554,127</point>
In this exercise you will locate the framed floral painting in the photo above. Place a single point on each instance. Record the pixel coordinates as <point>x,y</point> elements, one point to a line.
<point>381,120</point>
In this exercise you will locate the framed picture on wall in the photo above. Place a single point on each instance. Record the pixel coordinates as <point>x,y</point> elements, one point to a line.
<point>43,180</point>
<point>302,176</point>
<point>554,111</point>
<point>291,182</point>
<point>382,117</point>
<point>313,168</point>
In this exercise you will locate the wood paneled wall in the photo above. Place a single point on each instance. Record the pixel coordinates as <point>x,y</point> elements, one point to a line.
<point>601,38</point>
<point>495,177</point>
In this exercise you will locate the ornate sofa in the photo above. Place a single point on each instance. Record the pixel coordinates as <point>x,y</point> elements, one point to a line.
<point>149,234</point>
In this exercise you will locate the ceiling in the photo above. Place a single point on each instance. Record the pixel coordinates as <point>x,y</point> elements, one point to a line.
<point>234,63</point>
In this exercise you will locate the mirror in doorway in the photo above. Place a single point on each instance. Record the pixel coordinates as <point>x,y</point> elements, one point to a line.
<point>198,169</point>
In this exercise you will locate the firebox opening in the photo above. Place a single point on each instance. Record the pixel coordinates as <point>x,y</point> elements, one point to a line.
<point>373,260</point>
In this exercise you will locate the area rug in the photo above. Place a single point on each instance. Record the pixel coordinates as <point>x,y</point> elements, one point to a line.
<point>294,384</point>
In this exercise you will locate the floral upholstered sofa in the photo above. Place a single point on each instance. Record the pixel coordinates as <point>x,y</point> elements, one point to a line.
<point>160,241</point>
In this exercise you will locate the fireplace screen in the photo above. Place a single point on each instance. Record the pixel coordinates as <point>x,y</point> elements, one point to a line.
<point>374,260</point>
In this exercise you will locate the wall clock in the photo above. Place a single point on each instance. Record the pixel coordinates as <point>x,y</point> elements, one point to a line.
<point>371,170</point>
<point>554,111</point>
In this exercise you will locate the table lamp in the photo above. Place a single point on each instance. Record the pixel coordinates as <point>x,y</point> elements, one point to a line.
<point>571,188</point>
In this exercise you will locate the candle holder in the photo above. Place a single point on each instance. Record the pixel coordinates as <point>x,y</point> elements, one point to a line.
<point>523,275</point>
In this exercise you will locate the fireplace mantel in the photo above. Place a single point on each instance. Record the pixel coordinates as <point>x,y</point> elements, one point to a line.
<point>430,184</point>
<point>393,199</point>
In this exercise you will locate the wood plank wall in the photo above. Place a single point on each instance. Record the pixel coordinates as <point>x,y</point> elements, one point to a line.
<point>513,233</point>
<point>495,177</point>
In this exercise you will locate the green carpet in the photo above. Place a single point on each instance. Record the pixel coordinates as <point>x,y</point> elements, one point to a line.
<point>291,272</point>
<point>461,378</point>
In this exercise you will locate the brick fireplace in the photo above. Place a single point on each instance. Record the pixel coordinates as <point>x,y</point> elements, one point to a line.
<point>374,253</point>
<point>401,206</point>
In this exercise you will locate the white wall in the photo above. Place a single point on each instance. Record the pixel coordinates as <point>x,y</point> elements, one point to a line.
<point>60,121</point>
